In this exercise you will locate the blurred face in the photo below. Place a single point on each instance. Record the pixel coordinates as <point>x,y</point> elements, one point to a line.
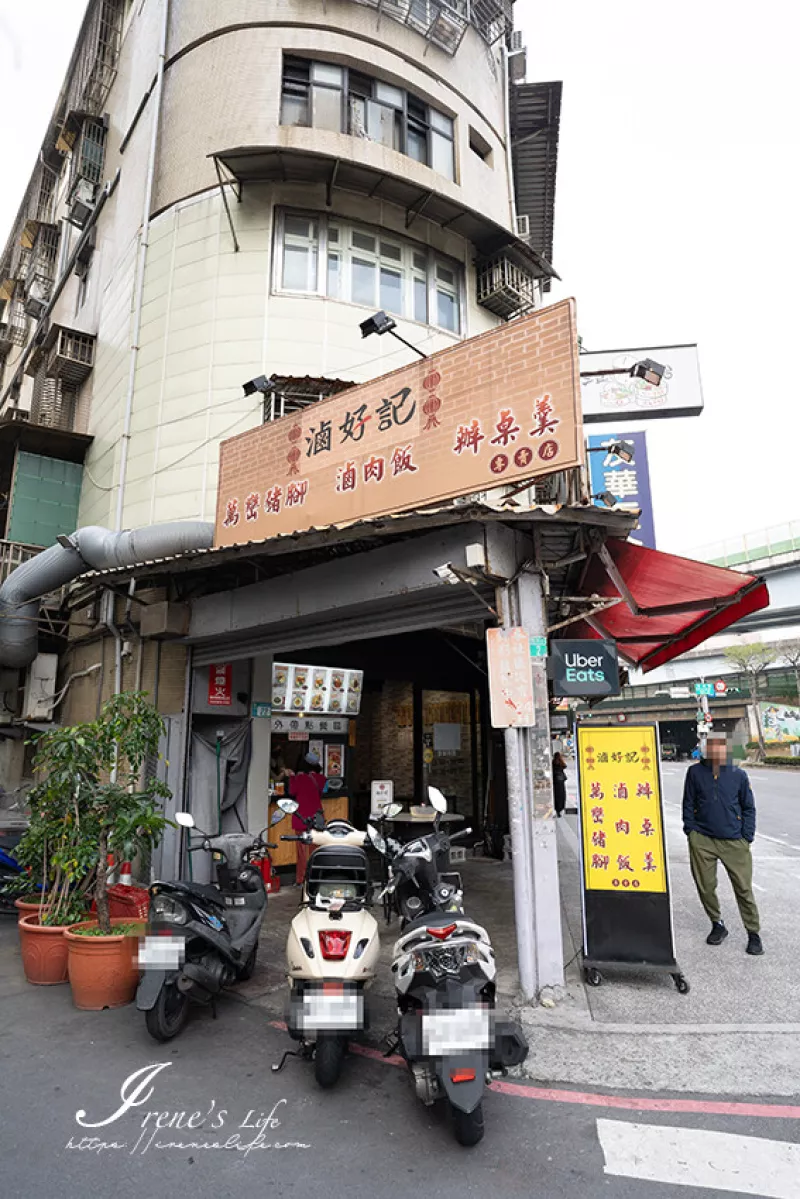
<point>717,751</point>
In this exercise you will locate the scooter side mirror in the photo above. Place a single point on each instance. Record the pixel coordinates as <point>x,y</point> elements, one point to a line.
<point>376,839</point>
<point>288,806</point>
<point>276,817</point>
<point>437,800</point>
<point>184,819</point>
<point>394,809</point>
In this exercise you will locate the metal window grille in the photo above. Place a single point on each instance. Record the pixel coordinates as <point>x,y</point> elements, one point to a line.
<point>505,288</point>
<point>97,65</point>
<point>53,402</point>
<point>88,154</point>
<point>71,356</point>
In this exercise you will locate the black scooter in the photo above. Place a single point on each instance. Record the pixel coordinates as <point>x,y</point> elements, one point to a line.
<point>444,975</point>
<point>202,937</point>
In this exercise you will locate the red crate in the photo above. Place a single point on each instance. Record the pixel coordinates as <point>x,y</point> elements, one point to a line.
<point>129,903</point>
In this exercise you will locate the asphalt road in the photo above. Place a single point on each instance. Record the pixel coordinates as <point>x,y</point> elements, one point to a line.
<point>369,1138</point>
<point>777,794</point>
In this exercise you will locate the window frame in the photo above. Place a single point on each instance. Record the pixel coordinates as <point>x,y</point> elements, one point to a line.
<point>343,248</point>
<point>407,116</point>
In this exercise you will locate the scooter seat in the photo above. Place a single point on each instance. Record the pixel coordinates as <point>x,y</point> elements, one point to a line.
<point>205,891</point>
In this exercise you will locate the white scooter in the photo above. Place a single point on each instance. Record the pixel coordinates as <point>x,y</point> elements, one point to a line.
<point>333,946</point>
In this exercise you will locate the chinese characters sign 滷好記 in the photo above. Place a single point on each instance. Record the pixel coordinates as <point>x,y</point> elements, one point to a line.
<point>620,803</point>
<point>495,409</point>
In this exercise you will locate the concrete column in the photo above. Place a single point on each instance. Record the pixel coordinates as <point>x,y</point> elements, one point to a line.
<point>537,899</point>
<point>261,728</point>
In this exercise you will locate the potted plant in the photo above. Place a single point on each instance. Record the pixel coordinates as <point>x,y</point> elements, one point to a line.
<point>93,802</point>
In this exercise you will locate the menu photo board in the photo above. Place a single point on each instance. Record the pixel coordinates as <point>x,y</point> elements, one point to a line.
<point>322,690</point>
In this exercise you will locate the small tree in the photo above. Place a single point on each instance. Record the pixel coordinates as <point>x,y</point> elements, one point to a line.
<point>753,660</point>
<point>789,652</point>
<point>90,802</point>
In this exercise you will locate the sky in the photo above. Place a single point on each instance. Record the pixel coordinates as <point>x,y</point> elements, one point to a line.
<point>675,218</point>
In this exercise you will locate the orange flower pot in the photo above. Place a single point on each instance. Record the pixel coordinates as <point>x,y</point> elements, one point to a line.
<point>28,907</point>
<point>44,951</point>
<point>103,971</point>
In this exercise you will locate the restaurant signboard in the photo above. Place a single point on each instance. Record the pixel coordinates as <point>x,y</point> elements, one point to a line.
<point>498,408</point>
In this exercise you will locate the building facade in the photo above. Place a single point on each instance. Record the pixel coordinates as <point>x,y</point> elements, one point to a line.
<point>269,173</point>
<point>225,192</point>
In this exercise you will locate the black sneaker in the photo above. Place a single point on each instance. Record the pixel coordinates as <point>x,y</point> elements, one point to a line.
<point>718,933</point>
<point>754,946</point>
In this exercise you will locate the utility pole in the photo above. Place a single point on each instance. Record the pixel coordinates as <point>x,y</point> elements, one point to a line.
<point>537,900</point>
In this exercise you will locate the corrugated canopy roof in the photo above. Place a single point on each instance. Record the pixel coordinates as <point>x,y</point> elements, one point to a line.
<point>535,115</point>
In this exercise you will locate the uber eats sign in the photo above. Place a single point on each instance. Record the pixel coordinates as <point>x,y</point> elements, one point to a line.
<point>583,668</point>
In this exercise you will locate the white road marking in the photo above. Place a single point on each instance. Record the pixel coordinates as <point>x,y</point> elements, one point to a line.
<point>778,841</point>
<point>694,1157</point>
<point>757,888</point>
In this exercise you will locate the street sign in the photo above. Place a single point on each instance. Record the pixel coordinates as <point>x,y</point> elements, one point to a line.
<point>538,647</point>
<point>510,678</point>
<point>704,689</point>
<point>720,687</point>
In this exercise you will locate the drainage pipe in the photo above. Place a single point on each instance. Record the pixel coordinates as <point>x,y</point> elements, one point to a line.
<point>141,263</point>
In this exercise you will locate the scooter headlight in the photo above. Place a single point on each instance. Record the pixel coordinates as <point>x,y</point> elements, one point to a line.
<point>164,907</point>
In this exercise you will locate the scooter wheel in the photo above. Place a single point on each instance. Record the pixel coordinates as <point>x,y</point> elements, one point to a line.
<point>248,968</point>
<point>328,1060</point>
<point>169,1013</point>
<point>468,1125</point>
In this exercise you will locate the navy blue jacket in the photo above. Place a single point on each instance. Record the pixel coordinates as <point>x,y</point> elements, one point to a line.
<point>721,807</point>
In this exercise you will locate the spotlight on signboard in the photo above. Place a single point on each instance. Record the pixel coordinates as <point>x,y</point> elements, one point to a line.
<point>446,573</point>
<point>652,372</point>
<point>605,497</point>
<point>624,450</point>
<point>261,383</point>
<point>380,323</point>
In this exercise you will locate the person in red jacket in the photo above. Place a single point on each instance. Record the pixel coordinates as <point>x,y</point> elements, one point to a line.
<point>306,786</point>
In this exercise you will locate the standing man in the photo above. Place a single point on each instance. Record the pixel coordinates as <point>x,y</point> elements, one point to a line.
<point>719,818</point>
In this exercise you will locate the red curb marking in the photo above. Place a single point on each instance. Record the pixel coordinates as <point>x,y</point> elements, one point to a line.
<point>773,1111</point>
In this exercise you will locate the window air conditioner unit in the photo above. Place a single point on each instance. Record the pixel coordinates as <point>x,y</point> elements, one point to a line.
<point>36,301</point>
<point>523,226</point>
<point>81,203</point>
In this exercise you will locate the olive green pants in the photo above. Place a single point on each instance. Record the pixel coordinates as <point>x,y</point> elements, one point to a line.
<point>704,853</point>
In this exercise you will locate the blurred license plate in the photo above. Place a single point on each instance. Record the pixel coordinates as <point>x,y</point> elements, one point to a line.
<point>324,1011</point>
<point>161,953</point>
<point>454,1030</point>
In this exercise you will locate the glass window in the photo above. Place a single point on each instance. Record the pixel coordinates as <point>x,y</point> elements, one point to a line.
<point>326,108</point>
<point>334,287</point>
<point>300,254</point>
<point>294,110</point>
<point>325,72</point>
<point>363,241</point>
<point>421,299</point>
<point>359,266</point>
<point>362,278</point>
<point>391,291</point>
<point>442,158</point>
<point>389,95</point>
<point>327,96</point>
<point>383,124</point>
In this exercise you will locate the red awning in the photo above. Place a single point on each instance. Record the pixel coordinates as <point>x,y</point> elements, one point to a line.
<point>668,604</point>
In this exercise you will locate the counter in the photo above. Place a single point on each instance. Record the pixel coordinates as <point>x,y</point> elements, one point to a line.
<point>334,807</point>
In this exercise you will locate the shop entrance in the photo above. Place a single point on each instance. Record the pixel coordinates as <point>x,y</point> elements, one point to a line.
<point>422,720</point>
